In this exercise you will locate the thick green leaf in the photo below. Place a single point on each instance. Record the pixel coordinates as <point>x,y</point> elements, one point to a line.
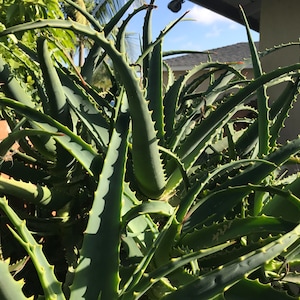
<point>252,289</point>
<point>233,229</point>
<point>82,151</point>
<point>155,90</point>
<point>278,113</point>
<point>168,268</point>
<point>232,191</point>
<point>217,281</point>
<point>92,118</point>
<point>150,207</point>
<point>52,288</point>
<point>14,136</point>
<point>280,206</point>
<point>97,261</point>
<point>196,141</point>
<point>95,55</point>
<point>262,98</point>
<point>10,289</point>
<point>12,87</point>
<point>57,103</point>
<point>88,16</point>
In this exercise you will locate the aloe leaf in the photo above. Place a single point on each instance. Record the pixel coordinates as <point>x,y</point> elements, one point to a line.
<point>143,265</point>
<point>37,145</point>
<point>262,98</point>
<point>292,278</point>
<point>51,287</point>
<point>82,151</point>
<point>87,15</point>
<point>217,281</point>
<point>93,59</point>
<point>231,192</point>
<point>231,150</point>
<point>146,40</point>
<point>145,151</point>
<point>117,17</point>
<point>182,89</point>
<point>12,87</point>
<point>10,289</point>
<point>150,207</point>
<point>281,206</point>
<point>27,191</point>
<point>95,55</point>
<point>263,112</point>
<point>173,94</point>
<point>184,213</point>
<point>285,101</point>
<point>170,103</point>
<point>222,200</point>
<point>286,193</point>
<point>34,193</point>
<point>8,142</point>
<point>146,282</point>
<point>86,111</point>
<point>148,49</point>
<point>186,123</point>
<point>187,51</point>
<point>260,170</point>
<point>214,207</point>
<point>144,141</point>
<point>155,90</point>
<point>217,85</point>
<point>278,113</point>
<point>242,247</point>
<point>120,37</point>
<point>170,76</point>
<point>58,108</point>
<point>247,289</point>
<point>196,141</point>
<point>186,216</point>
<point>140,231</point>
<point>104,224</point>
<point>57,105</point>
<point>179,164</point>
<point>75,82</point>
<point>232,229</point>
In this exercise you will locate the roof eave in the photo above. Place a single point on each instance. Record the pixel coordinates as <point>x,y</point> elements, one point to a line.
<point>229,11</point>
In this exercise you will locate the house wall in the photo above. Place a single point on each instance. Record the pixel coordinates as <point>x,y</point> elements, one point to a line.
<point>280,23</point>
<point>4,130</point>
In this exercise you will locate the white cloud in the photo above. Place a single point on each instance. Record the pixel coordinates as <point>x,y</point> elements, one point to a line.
<point>233,26</point>
<point>214,32</point>
<point>205,16</point>
<point>214,21</point>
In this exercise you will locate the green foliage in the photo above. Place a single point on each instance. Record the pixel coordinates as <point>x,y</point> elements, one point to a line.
<point>151,189</point>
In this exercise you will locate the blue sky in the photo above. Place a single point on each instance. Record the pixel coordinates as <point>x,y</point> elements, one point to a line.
<point>205,31</point>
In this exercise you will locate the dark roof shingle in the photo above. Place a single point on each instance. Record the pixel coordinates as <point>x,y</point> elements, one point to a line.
<point>231,53</point>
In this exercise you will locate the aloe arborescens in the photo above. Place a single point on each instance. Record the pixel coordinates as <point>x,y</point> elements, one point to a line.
<point>148,190</point>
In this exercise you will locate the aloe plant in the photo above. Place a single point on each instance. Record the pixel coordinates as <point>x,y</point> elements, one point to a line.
<point>149,190</point>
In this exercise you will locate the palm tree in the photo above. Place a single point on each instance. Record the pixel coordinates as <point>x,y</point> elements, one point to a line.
<point>103,11</point>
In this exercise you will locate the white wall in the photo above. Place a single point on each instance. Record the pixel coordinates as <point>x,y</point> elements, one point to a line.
<point>280,23</point>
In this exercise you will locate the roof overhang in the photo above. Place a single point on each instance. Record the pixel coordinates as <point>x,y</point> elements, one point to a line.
<point>231,10</point>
